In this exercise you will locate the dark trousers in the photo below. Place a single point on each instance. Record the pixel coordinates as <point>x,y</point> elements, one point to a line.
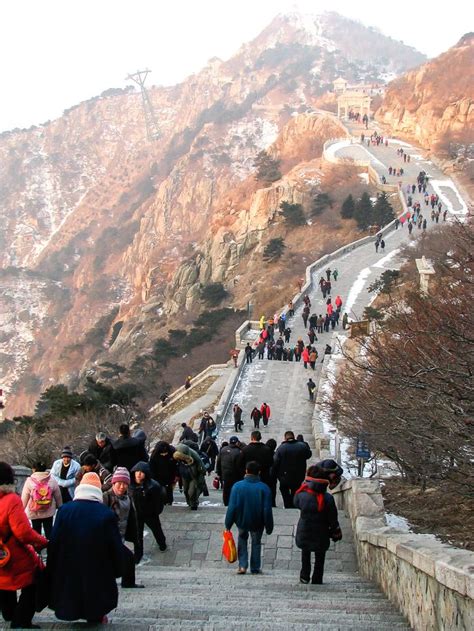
<point>287,493</point>
<point>318,570</point>
<point>226,489</point>
<point>47,524</point>
<point>19,613</point>
<point>169,494</point>
<point>154,525</point>
<point>128,570</point>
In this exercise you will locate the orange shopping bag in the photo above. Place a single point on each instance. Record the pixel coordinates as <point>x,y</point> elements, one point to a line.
<point>228,547</point>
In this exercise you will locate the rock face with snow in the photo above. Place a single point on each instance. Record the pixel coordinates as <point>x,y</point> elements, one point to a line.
<point>114,236</point>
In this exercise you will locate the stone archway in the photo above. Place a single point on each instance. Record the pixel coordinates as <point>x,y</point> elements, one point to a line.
<point>353,101</point>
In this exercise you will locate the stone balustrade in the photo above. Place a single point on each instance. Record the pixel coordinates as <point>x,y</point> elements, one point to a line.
<point>431,583</point>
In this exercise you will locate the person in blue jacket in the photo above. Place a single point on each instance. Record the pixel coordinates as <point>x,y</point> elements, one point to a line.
<point>250,508</point>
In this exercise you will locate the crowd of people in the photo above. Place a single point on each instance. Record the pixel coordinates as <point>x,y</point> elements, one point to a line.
<point>86,510</point>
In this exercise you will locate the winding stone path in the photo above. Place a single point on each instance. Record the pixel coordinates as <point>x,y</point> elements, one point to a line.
<point>283,384</point>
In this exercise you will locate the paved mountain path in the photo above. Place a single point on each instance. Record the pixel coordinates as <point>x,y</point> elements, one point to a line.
<point>282,385</point>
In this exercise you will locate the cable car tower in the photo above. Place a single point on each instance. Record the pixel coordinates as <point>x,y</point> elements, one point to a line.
<point>139,77</point>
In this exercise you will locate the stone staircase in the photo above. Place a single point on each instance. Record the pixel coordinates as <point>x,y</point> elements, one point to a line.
<point>191,587</point>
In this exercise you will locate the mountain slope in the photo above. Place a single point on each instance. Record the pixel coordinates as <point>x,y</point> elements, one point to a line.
<point>130,231</point>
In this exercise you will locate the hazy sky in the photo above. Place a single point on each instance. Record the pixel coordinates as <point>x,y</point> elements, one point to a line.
<point>55,53</point>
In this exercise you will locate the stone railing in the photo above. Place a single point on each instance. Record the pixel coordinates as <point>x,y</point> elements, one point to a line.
<point>248,325</point>
<point>374,177</point>
<point>213,369</point>
<point>430,582</point>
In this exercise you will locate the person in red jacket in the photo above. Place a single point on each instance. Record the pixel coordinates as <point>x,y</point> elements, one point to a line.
<point>338,302</point>
<point>265,410</point>
<point>17,535</point>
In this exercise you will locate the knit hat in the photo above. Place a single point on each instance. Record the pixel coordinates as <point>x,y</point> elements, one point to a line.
<point>66,452</point>
<point>90,488</point>
<point>121,474</point>
<point>92,479</point>
<point>233,440</point>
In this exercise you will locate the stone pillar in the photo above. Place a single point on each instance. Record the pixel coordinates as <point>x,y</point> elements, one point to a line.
<point>425,269</point>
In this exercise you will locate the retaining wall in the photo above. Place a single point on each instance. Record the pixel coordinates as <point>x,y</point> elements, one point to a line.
<point>431,583</point>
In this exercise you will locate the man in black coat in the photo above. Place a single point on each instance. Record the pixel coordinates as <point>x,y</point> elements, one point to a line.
<point>289,466</point>
<point>147,496</point>
<point>163,467</point>
<point>228,467</point>
<point>188,434</point>
<point>102,448</point>
<point>128,450</point>
<point>257,451</point>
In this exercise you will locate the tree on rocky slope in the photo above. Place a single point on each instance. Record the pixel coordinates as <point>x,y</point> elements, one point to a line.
<point>274,249</point>
<point>320,203</point>
<point>363,211</point>
<point>382,213</point>
<point>348,207</point>
<point>268,168</point>
<point>410,389</point>
<point>293,214</point>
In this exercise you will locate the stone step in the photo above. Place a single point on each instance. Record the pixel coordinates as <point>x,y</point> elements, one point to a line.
<point>120,623</point>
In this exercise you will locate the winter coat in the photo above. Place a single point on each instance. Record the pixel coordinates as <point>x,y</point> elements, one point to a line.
<point>189,456</point>
<point>265,410</point>
<point>290,462</point>
<point>70,481</point>
<point>105,455</point>
<point>131,532</point>
<point>129,451</point>
<point>163,468</point>
<point>305,355</point>
<point>188,434</point>
<point>318,516</point>
<point>257,452</point>
<point>255,414</point>
<point>85,556</point>
<point>147,497</point>
<point>19,537</point>
<point>228,463</point>
<point>27,493</point>
<point>250,505</point>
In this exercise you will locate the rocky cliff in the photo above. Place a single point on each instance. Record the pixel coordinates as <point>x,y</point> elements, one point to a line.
<point>434,104</point>
<point>109,239</point>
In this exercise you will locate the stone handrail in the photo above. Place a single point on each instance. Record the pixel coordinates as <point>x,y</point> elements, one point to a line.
<point>243,328</point>
<point>431,583</point>
<point>181,391</point>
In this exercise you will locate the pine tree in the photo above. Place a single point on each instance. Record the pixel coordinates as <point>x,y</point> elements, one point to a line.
<point>274,249</point>
<point>383,211</point>
<point>320,203</point>
<point>293,213</point>
<point>348,207</point>
<point>363,213</point>
<point>268,169</point>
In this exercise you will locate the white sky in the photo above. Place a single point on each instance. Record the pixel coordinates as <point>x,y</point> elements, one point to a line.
<point>55,53</point>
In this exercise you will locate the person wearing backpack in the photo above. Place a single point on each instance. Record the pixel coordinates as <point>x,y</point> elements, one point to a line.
<point>41,497</point>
